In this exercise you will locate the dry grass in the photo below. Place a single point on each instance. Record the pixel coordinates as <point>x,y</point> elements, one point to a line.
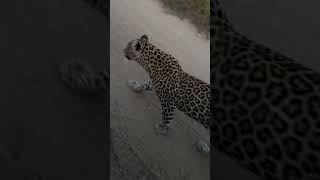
<point>198,11</point>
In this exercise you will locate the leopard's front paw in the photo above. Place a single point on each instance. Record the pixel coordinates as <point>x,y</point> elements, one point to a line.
<point>163,130</point>
<point>135,86</point>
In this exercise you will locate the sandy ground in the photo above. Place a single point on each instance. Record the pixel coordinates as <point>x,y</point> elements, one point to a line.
<point>134,115</point>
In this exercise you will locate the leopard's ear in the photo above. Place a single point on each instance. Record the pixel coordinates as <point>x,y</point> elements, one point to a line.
<point>144,38</point>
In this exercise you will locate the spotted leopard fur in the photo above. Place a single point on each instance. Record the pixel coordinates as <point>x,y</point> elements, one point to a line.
<point>266,105</point>
<point>175,88</point>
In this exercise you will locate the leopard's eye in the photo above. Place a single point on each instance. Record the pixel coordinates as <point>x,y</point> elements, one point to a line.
<point>138,47</point>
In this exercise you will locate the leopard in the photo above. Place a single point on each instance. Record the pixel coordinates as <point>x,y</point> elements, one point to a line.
<point>265,105</point>
<point>175,88</point>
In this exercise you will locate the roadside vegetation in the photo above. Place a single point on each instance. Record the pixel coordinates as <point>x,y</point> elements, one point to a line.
<point>197,11</point>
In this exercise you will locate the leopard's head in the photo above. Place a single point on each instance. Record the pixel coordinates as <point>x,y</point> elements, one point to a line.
<point>136,48</point>
<point>146,54</point>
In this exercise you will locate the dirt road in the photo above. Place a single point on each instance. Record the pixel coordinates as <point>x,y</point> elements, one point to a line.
<point>176,156</point>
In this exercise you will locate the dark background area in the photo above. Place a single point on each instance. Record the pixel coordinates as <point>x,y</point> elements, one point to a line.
<point>46,130</point>
<point>289,26</point>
